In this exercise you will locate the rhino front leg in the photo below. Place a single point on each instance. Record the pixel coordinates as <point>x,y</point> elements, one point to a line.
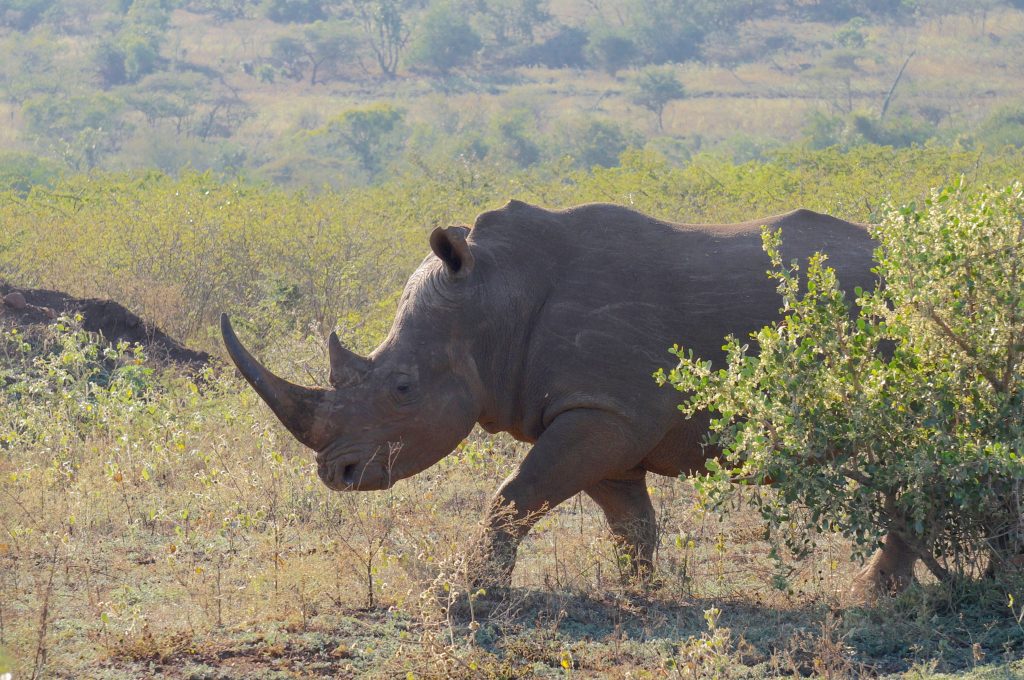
<point>630,514</point>
<point>578,449</point>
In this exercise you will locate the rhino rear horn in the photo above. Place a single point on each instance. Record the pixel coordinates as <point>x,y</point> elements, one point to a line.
<point>347,367</point>
<point>294,405</point>
<point>449,244</point>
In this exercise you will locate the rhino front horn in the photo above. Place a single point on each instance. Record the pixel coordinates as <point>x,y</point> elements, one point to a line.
<point>347,367</point>
<point>294,405</point>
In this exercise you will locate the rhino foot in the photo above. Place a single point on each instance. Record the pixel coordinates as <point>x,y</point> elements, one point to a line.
<point>890,570</point>
<point>490,568</point>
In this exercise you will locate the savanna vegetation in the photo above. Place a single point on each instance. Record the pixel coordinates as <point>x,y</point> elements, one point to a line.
<point>307,93</point>
<point>285,160</point>
<point>158,523</point>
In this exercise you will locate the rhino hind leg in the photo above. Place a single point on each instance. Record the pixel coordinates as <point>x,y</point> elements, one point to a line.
<point>889,571</point>
<point>630,514</point>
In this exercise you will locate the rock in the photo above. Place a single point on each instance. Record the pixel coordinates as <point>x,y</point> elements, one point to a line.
<point>15,300</point>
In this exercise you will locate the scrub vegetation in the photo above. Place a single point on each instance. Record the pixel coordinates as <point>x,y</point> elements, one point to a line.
<point>161,523</point>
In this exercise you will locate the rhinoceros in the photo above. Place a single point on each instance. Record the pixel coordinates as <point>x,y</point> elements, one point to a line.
<point>548,325</point>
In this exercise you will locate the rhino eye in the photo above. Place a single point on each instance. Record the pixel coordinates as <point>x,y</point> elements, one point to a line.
<point>403,389</point>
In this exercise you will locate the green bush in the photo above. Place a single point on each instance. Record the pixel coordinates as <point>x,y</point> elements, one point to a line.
<point>444,40</point>
<point>654,88</point>
<point>67,381</point>
<point>373,134</point>
<point>108,60</point>
<point>667,31</point>
<point>860,127</point>
<point>907,417</point>
<point>126,60</point>
<point>141,56</point>
<point>294,11</point>
<point>598,143</point>
<point>22,15</point>
<point>21,171</point>
<point>508,23</point>
<point>611,50</point>
<point>1005,127</point>
<point>80,129</point>
<point>512,137</point>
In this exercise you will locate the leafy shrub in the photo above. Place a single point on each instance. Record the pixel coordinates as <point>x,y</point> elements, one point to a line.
<point>654,88</point>
<point>323,48</point>
<point>512,137</point>
<point>666,31</point>
<point>851,35</point>
<point>127,59</point>
<point>21,171</point>
<point>444,40</point>
<point>859,128</point>
<point>294,11</point>
<point>372,134</point>
<point>907,418</point>
<point>65,378</point>
<point>513,20</point>
<point>863,128</point>
<point>22,15</point>
<point>81,129</point>
<point>610,50</point>
<point>1003,128</point>
<point>288,53</point>
<point>152,17</point>
<point>141,56</point>
<point>108,60</point>
<point>563,49</point>
<point>599,143</point>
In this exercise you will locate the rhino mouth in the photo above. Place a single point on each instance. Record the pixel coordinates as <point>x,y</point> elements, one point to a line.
<point>340,477</point>
<point>346,468</point>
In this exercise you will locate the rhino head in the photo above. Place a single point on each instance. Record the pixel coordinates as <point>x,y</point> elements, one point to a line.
<point>400,410</point>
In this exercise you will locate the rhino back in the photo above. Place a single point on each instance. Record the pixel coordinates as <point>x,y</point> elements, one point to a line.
<point>598,294</point>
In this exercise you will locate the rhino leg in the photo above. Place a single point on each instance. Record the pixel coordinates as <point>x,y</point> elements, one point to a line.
<point>578,449</point>
<point>630,514</point>
<point>889,571</point>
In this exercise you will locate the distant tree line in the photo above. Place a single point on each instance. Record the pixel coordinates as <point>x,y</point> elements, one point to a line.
<point>103,83</point>
<point>335,39</point>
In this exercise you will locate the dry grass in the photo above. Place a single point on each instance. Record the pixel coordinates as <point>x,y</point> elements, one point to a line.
<point>183,534</point>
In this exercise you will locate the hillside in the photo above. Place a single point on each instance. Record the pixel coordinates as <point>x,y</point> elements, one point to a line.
<point>312,93</point>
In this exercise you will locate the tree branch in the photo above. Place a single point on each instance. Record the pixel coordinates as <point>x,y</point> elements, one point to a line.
<point>1016,332</point>
<point>993,379</point>
<point>888,97</point>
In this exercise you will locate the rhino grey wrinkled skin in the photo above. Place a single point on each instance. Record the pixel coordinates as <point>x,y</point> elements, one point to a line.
<point>548,325</point>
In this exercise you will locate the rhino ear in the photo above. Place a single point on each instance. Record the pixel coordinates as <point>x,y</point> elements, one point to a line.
<point>449,244</point>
